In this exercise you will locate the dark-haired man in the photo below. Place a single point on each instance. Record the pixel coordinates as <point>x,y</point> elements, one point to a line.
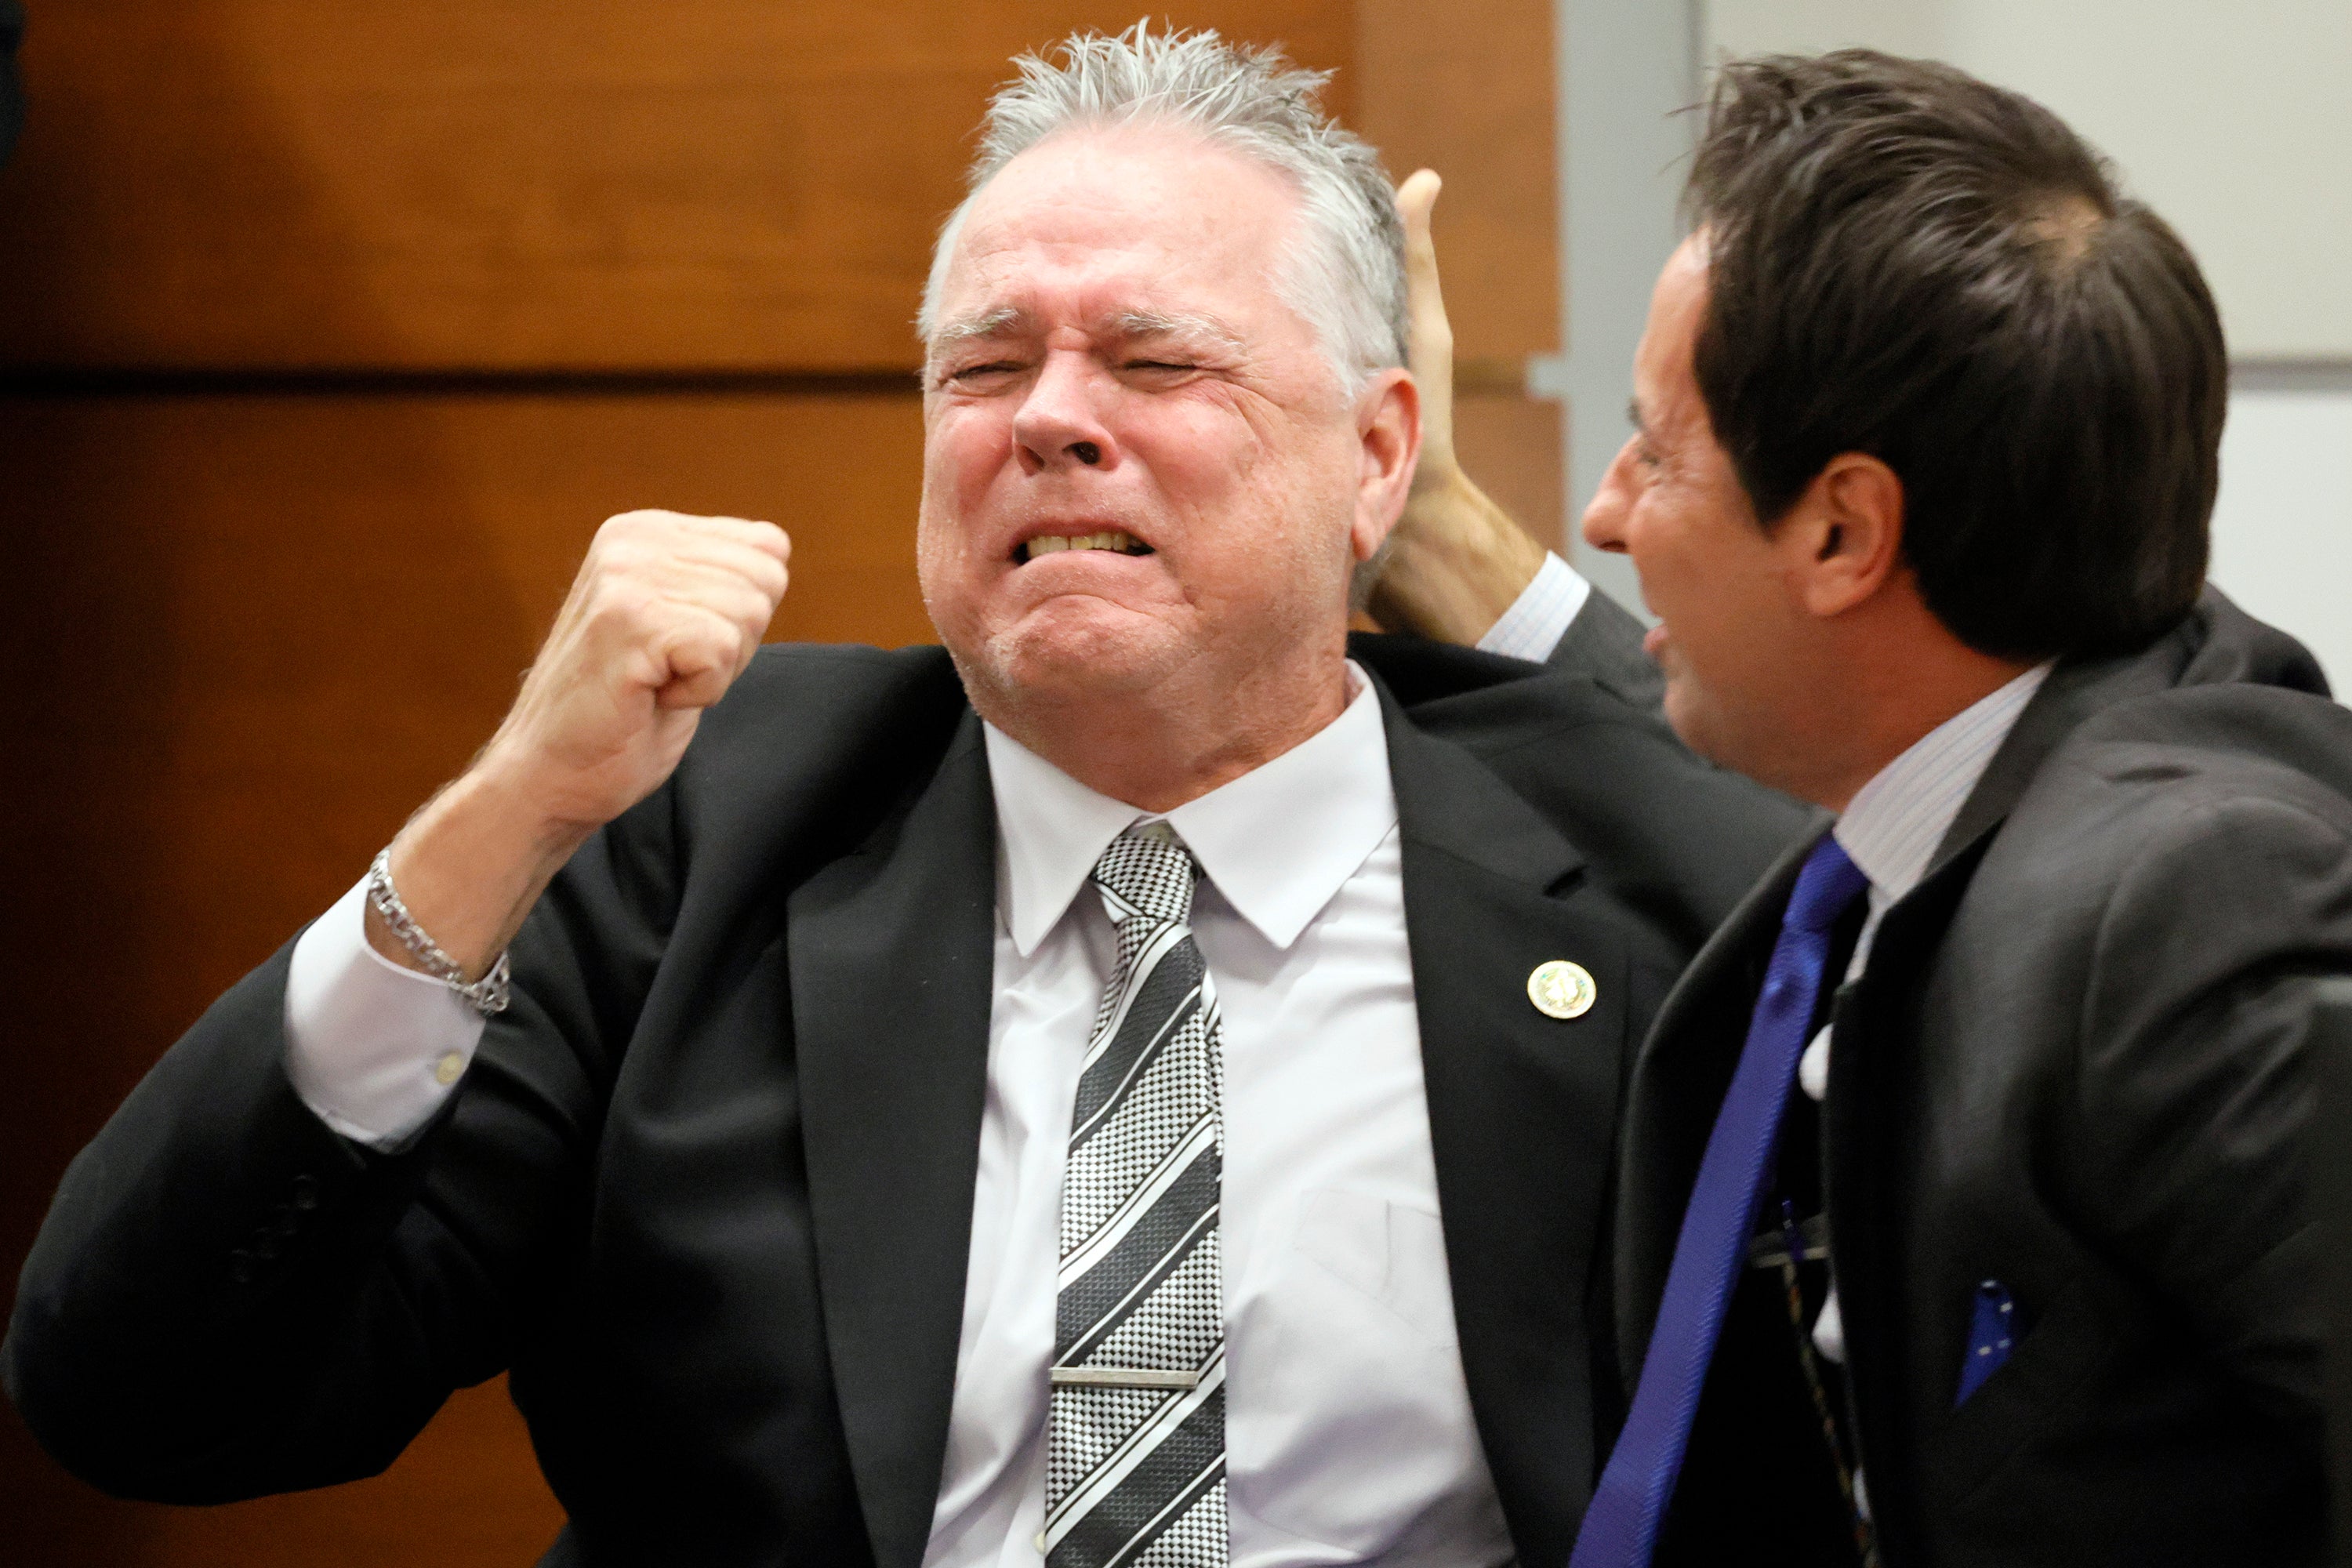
<point>2019,1271</point>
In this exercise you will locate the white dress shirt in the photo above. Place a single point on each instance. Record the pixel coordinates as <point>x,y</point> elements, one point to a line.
<point>1349,1434</point>
<point>1890,831</point>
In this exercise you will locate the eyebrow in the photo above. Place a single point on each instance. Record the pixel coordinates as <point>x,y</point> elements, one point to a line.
<point>988,324</point>
<point>1124,324</point>
<point>1633,415</point>
<point>1164,324</point>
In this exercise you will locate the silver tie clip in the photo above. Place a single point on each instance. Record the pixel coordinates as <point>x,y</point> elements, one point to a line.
<point>1123,1377</point>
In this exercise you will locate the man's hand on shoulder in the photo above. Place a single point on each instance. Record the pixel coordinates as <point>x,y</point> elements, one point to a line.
<point>666,611</point>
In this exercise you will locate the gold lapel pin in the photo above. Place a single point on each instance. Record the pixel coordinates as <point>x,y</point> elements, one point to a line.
<point>1562,990</point>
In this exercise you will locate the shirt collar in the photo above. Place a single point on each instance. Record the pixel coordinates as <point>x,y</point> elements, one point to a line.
<point>1278,842</point>
<point>1892,827</point>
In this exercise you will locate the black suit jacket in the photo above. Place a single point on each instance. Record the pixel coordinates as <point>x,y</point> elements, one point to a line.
<point>1604,642</point>
<point>2075,1065</point>
<point>706,1189</point>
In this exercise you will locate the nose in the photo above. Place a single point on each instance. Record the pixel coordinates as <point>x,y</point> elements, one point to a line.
<point>1059,425</point>
<point>1604,519</point>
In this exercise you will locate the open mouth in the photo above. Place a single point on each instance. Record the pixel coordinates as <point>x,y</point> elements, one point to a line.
<point>1112,540</point>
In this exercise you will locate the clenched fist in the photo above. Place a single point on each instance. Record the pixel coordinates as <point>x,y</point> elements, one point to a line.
<point>668,610</point>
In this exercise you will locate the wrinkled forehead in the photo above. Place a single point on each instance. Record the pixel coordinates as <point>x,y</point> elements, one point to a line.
<point>1145,219</point>
<point>1665,373</point>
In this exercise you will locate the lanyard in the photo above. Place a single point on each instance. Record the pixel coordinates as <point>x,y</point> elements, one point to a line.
<point>1793,1237</point>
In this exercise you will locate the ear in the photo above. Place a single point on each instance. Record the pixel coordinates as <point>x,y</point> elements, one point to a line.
<point>1843,538</point>
<point>1387,428</point>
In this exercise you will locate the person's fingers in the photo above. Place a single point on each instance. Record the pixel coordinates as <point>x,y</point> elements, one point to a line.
<point>1432,335</point>
<point>646,542</point>
<point>1416,202</point>
<point>721,569</point>
<point>1429,349</point>
<point>730,533</point>
<point>702,650</point>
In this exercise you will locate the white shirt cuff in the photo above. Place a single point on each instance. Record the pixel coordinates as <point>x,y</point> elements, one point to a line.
<point>1541,614</point>
<point>373,1049</point>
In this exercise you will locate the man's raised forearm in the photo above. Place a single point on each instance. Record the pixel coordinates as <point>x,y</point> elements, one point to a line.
<point>1455,563</point>
<point>666,613</point>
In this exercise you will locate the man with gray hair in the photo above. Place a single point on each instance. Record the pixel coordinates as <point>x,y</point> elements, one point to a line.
<point>1133,1085</point>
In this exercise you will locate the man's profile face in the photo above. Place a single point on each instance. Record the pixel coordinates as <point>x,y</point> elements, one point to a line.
<point>1729,626</point>
<point>1113,357</point>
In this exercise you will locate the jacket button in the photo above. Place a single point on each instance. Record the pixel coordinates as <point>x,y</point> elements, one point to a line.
<point>265,1246</point>
<point>240,1267</point>
<point>306,1191</point>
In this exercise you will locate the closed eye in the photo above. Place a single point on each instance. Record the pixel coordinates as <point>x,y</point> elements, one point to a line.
<point>975,375</point>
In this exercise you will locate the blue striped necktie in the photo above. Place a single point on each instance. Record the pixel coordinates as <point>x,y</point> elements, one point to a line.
<point>1621,1528</point>
<point>1134,1452</point>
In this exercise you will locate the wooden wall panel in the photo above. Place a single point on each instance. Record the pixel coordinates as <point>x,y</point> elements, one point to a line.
<point>566,184</point>
<point>1466,88</point>
<point>465,1493</point>
<point>1511,444</point>
<point>268,626</point>
<point>263,629</point>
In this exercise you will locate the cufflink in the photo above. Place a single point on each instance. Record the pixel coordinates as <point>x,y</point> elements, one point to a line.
<point>1562,990</point>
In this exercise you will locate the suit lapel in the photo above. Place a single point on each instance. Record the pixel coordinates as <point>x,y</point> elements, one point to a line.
<point>892,954</point>
<point>1522,1109</point>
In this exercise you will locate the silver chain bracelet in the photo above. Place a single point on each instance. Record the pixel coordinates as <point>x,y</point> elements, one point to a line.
<point>487,995</point>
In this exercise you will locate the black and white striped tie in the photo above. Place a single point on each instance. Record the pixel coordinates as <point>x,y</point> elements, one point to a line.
<point>1135,1466</point>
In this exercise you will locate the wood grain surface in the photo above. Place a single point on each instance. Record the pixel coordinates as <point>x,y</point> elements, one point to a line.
<point>539,183</point>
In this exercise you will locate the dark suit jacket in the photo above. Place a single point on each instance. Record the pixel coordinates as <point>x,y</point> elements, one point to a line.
<point>2075,1065</point>
<point>707,1187</point>
<point>1604,642</point>
<point>2331,1154</point>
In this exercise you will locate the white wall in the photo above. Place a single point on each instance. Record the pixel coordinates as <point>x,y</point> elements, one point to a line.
<point>2283,530</point>
<point>1624,69</point>
<point>2234,121</point>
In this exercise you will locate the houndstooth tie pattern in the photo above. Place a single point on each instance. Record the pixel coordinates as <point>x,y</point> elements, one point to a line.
<point>1135,1467</point>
